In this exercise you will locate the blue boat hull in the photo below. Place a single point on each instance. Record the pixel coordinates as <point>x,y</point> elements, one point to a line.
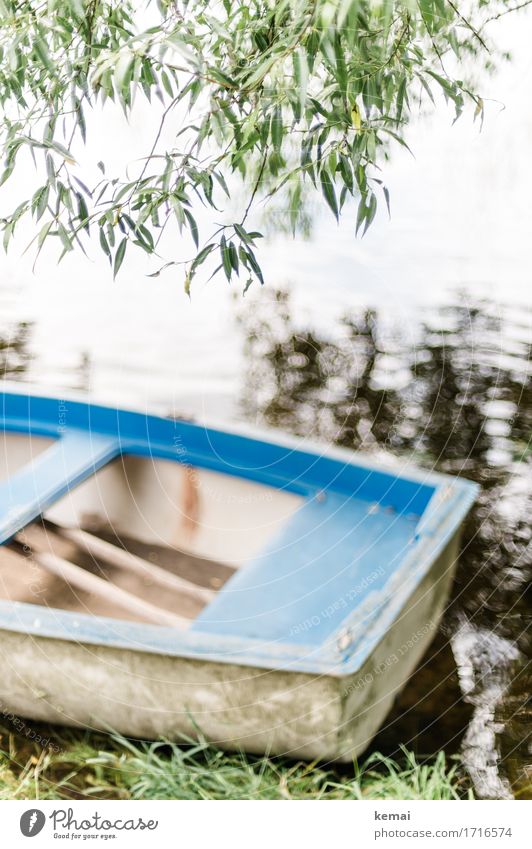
<point>341,570</point>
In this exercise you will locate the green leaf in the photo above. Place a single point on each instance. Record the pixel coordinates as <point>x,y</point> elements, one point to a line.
<point>65,238</point>
<point>83,187</point>
<point>62,151</point>
<point>8,232</point>
<point>41,202</point>
<point>386,193</point>
<point>221,77</point>
<point>221,180</point>
<point>202,256</point>
<point>239,230</point>
<point>402,97</point>
<point>119,256</point>
<point>43,233</point>
<point>50,169</point>
<point>277,128</point>
<point>301,76</point>
<point>7,173</point>
<point>105,245</point>
<point>42,52</point>
<point>254,265</point>
<point>366,212</point>
<point>83,213</point>
<point>341,68</point>
<point>329,193</point>
<point>233,256</point>
<point>193,226</point>
<point>167,85</point>
<point>226,258</point>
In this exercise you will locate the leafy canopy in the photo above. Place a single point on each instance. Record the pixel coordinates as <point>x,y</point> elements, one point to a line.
<point>293,96</point>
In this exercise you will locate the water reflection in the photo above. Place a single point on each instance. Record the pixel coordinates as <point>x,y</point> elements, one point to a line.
<point>454,394</point>
<point>14,353</point>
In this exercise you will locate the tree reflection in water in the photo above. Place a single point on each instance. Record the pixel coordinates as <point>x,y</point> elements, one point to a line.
<point>14,354</point>
<point>453,394</point>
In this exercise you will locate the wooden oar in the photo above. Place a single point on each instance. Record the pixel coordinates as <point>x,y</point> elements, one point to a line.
<point>116,556</point>
<point>78,577</point>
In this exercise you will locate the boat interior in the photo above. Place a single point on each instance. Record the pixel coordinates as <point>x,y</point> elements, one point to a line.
<point>143,539</point>
<point>156,541</point>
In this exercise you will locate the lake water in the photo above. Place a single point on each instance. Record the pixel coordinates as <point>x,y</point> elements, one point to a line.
<point>415,341</point>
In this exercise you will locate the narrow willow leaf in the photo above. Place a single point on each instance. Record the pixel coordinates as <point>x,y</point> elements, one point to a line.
<point>167,85</point>
<point>277,128</point>
<point>295,206</point>
<point>8,232</point>
<point>42,51</point>
<point>233,256</point>
<point>329,192</point>
<point>301,74</point>
<point>401,98</point>
<point>81,120</point>
<point>82,186</point>
<point>83,212</point>
<point>104,244</point>
<point>239,230</point>
<point>202,256</point>
<point>66,241</point>
<point>123,74</point>
<point>119,256</point>
<point>386,193</point>
<point>226,258</point>
<point>341,68</point>
<point>221,180</point>
<point>43,233</point>
<point>63,151</point>
<point>372,209</point>
<point>255,266</point>
<point>222,78</point>
<point>193,226</point>
<point>7,173</point>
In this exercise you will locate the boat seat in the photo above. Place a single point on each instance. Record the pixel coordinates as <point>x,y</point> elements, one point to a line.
<point>326,560</point>
<point>71,459</point>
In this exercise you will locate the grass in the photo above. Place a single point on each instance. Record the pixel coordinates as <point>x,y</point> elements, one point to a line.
<point>95,766</point>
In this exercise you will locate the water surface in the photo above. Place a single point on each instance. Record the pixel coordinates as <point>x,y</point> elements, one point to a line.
<point>453,393</point>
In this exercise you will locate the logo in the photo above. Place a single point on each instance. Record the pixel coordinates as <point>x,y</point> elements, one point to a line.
<point>32,822</point>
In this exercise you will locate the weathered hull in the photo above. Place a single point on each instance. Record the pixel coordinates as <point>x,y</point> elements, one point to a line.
<point>159,577</point>
<point>330,716</point>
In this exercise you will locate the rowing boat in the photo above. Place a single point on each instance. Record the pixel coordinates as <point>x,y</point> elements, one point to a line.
<point>162,578</point>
